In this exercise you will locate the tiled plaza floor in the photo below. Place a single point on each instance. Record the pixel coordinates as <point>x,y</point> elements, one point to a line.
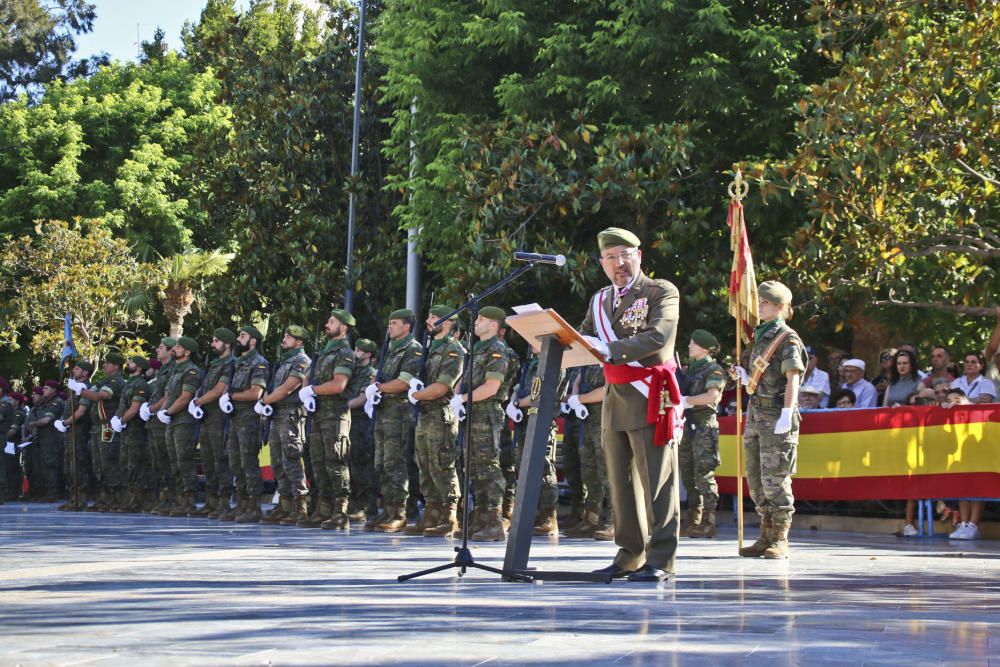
<point>104,589</point>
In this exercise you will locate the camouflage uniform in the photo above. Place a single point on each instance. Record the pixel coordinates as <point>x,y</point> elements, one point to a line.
<point>186,377</point>
<point>548,496</point>
<point>164,460</point>
<point>394,423</point>
<point>489,362</point>
<point>212,434</point>
<point>593,469</point>
<point>698,454</point>
<point>329,440</point>
<point>573,429</point>
<point>48,446</point>
<point>437,426</point>
<point>364,478</point>
<point>106,449</point>
<point>286,438</point>
<point>770,458</point>
<point>251,370</point>
<point>78,436</point>
<point>6,419</point>
<point>508,457</point>
<point>12,462</point>
<point>135,455</point>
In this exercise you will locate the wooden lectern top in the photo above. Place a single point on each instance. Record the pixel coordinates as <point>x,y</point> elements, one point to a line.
<point>548,322</point>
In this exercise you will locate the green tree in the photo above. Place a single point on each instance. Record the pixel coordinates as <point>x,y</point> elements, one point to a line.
<point>184,277</point>
<point>79,269</point>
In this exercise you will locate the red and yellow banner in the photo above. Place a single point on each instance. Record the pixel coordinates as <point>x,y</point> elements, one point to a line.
<point>888,453</point>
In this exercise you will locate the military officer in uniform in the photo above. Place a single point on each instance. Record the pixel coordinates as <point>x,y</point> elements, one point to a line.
<point>698,454</point>
<point>364,478</point>
<point>47,450</point>
<point>437,429</point>
<point>633,323</point>
<point>330,439</point>
<point>133,434</point>
<point>75,424</point>
<point>777,361</point>
<point>106,445</point>
<point>164,461</point>
<point>212,434</point>
<point>7,410</point>
<point>184,383</point>
<point>394,423</point>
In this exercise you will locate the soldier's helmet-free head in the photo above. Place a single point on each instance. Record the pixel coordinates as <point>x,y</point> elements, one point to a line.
<point>775,300</point>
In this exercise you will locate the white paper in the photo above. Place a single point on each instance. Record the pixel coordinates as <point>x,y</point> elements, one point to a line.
<point>9,449</point>
<point>527,308</point>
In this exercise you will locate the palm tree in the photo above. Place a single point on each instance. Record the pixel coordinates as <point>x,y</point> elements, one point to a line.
<point>184,277</point>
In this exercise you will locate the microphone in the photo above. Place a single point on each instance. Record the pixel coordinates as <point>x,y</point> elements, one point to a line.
<point>558,260</point>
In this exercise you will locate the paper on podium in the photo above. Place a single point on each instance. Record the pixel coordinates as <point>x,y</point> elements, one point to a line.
<point>534,324</point>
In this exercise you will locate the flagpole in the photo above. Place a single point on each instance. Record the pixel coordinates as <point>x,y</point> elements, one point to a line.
<point>738,189</point>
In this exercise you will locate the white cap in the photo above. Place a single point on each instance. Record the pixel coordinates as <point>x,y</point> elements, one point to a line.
<point>854,363</point>
<point>810,390</point>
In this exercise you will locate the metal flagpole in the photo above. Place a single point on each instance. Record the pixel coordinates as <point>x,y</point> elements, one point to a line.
<point>352,206</point>
<point>737,191</point>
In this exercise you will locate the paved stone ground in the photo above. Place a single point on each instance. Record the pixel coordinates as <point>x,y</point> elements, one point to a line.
<point>126,589</point>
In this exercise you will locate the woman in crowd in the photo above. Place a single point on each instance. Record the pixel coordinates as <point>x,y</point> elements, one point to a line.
<point>903,379</point>
<point>887,361</point>
<point>977,387</point>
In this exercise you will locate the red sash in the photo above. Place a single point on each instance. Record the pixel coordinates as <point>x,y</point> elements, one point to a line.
<point>661,379</point>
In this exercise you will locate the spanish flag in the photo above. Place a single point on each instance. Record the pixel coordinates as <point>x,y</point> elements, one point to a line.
<point>742,278</point>
<point>888,453</point>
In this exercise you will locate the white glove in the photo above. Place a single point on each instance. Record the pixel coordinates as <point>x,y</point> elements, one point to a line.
<point>581,412</point>
<point>684,405</point>
<point>9,449</point>
<point>370,409</point>
<point>457,406</point>
<point>144,412</point>
<point>598,345</point>
<point>373,394</point>
<point>225,403</point>
<point>75,387</point>
<point>263,410</point>
<point>416,384</point>
<point>195,411</point>
<point>514,412</point>
<point>116,424</point>
<point>60,425</point>
<point>741,373</point>
<point>784,424</point>
<point>163,416</point>
<point>564,408</point>
<point>307,395</point>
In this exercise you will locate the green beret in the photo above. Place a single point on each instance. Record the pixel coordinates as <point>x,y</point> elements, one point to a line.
<point>613,236</point>
<point>141,362</point>
<point>705,339</point>
<point>774,292</point>
<point>85,365</point>
<point>168,342</point>
<point>343,317</point>
<point>114,358</point>
<point>295,331</point>
<point>367,345</point>
<point>401,314</point>
<point>441,310</point>
<point>493,313</point>
<point>189,344</point>
<point>225,335</point>
<point>253,332</point>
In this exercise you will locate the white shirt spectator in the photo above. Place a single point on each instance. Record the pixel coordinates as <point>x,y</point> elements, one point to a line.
<point>819,380</point>
<point>865,391</point>
<point>975,388</point>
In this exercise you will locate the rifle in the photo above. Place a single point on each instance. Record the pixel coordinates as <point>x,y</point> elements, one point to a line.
<point>521,393</point>
<point>422,374</point>
<point>197,394</point>
<point>584,388</point>
<point>228,419</point>
<point>382,354</point>
<point>268,390</point>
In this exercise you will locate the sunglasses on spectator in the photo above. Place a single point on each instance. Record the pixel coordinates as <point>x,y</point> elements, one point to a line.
<point>886,357</point>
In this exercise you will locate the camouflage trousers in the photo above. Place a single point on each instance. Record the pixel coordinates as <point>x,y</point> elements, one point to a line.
<point>572,457</point>
<point>181,440</point>
<point>162,459</point>
<point>434,443</point>
<point>508,458</point>
<point>107,459</point>
<point>393,436</point>
<point>244,452</point>
<point>593,467</point>
<point>84,473</point>
<point>486,419</point>
<point>287,442</point>
<point>770,461</point>
<point>698,457</point>
<point>215,455</point>
<point>136,462</point>
<point>330,451</point>
<point>364,478</point>
<point>50,458</point>
<point>548,495</point>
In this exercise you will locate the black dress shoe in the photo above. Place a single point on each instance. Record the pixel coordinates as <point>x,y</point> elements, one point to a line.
<point>649,573</point>
<point>614,570</point>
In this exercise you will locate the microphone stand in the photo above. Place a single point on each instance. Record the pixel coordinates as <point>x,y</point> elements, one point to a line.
<point>463,556</point>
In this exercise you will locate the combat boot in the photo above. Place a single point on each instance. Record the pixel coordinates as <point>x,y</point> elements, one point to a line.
<point>507,511</point>
<point>691,519</point>
<point>606,532</point>
<point>279,511</point>
<point>148,502</point>
<point>394,522</point>
<point>300,512</point>
<point>220,508</point>
<point>546,523</point>
<point>185,505</point>
<point>758,548</point>
<point>230,513</point>
<point>778,548</point>
<point>211,500</point>
<point>356,511</point>
<point>432,512</point>
<point>112,502</point>
<point>479,518</point>
<point>591,522</point>
<point>493,531</point>
<point>251,514</point>
<point>339,520</point>
<point>166,502</point>
<point>323,512</point>
<point>376,519</point>
<point>447,524</point>
<point>412,508</point>
<point>707,526</point>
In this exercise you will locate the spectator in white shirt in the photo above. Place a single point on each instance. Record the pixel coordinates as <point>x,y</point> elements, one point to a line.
<point>977,387</point>
<point>854,379</point>
<point>817,378</point>
<point>809,399</point>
